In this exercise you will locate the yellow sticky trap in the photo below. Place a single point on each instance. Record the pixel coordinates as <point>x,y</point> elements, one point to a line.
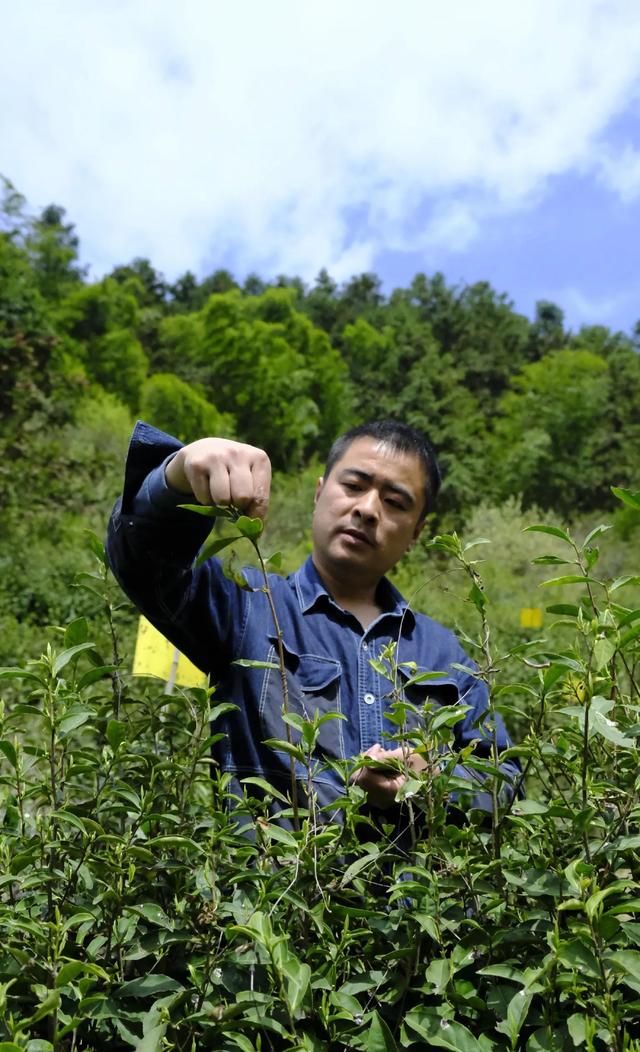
<point>531,617</point>
<point>156,656</point>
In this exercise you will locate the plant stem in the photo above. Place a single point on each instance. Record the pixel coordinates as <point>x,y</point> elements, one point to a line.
<point>283,681</point>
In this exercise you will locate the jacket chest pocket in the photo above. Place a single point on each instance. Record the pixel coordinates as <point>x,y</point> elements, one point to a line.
<point>423,698</point>
<point>313,686</point>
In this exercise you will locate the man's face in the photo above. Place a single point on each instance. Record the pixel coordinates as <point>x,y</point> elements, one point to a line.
<point>367,511</point>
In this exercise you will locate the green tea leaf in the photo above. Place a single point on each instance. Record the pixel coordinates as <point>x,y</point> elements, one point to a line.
<point>477,597</point>
<point>274,562</point>
<point>147,985</point>
<point>552,531</point>
<point>626,961</point>
<point>603,651</point>
<point>358,866</point>
<point>153,1040</point>
<point>76,632</point>
<point>576,954</point>
<point>210,511</point>
<point>263,784</point>
<point>632,500</point>
<point>621,582</point>
<point>572,578</point>
<point>248,663</point>
<point>379,1037</point>
<point>9,751</point>
<point>152,912</point>
<point>577,1027</point>
<point>93,675</point>
<point>601,724</point>
<point>212,546</point>
<point>66,656</point>
<point>249,528</point>
<point>74,718</point>
<point>116,733</point>
<point>597,531</point>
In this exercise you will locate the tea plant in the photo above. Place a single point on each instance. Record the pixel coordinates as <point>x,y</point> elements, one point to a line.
<point>143,906</point>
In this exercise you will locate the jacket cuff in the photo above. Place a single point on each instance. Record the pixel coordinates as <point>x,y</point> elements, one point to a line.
<point>156,495</point>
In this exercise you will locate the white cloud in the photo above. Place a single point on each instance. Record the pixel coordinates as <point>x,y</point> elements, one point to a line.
<point>620,171</point>
<point>203,131</point>
<point>583,308</point>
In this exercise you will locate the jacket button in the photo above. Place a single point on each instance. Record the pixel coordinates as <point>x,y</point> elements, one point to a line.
<point>369,698</point>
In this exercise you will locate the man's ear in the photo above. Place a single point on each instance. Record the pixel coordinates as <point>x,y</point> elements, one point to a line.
<point>420,525</point>
<point>319,485</point>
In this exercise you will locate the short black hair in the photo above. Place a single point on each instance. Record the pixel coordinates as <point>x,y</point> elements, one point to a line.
<point>401,437</point>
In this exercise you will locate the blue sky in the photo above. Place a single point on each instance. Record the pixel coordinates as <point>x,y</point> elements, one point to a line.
<point>494,141</point>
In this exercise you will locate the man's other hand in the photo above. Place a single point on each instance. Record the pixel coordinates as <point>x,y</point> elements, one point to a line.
<point>382,781</point>
<point>219,471</point>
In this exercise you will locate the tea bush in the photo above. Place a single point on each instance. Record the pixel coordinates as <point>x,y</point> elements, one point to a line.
<point>144,907</point>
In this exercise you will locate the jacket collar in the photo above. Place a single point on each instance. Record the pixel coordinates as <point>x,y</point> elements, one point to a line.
<point>311,591</point>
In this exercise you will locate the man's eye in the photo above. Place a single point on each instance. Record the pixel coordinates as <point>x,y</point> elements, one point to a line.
<point>353,487</point>
<point>395,504</point>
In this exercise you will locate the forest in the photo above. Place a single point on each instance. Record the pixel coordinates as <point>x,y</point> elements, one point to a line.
<point>132,913</point>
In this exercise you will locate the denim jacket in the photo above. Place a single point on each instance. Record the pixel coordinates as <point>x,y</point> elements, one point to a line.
<point>151,548</point>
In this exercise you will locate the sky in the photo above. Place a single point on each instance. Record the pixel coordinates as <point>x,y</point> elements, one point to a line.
<point>495,141</point>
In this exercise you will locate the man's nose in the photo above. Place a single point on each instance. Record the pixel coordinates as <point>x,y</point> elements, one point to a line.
<point>368,505</point>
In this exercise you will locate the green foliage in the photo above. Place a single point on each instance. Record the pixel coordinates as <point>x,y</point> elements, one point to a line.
<point>120,365</point>
<point>27,340</point>
<point>136,913</point>
<point>91,311</point>
<point>178,408</point>
<point>179,350</point>
<point>281,380</point>
<point>556,404</point>
<point>52,246</point>
<point>73,474</point>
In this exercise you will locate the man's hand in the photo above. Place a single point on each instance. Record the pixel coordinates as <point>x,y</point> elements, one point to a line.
<point>382,782</point>
<point>219,471</point>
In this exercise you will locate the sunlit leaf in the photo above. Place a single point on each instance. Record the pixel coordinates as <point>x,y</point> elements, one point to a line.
<point>631,499</point>
<point>552,531</point>
<point>210,511</point>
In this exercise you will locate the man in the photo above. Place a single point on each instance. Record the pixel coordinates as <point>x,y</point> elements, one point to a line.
<point>336,613</point>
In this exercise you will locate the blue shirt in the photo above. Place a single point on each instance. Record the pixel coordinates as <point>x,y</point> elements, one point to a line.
<point>151,547</point>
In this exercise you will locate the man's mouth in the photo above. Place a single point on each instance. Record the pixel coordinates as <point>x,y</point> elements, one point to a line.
<point>358,535</point>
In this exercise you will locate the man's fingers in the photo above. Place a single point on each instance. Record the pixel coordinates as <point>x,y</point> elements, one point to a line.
<point>380,788</point>
<point>261,475</point>
<point>241,487</point>
<point>220,471</point>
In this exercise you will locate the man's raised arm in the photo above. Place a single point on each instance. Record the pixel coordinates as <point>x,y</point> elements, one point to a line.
<point>152,542</point>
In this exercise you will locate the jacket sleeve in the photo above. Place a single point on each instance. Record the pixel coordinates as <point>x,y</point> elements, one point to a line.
<point>151,547</point>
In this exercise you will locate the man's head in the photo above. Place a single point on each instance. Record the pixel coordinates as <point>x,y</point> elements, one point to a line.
<point>371,503</point>
<point>399,437</point>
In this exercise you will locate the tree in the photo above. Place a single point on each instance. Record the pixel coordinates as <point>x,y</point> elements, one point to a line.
<point>143,280</point>
<point>52,246</point>
<point>549,430</point>
<point>27,341</point>
<point>547,331</point>
<point>180,347</point>
<point>181,410</point>
<point>274,371</point>
<point>325,374</point>
<point>120,365</point>
<point>185,294</point>
<point>13,221</point>
<point>372,361</point>
<point>91,311</point>
<point>321,303</point>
